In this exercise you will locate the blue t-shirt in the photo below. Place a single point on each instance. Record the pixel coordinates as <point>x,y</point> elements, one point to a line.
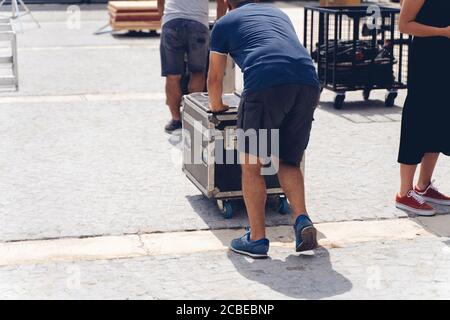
<point>263,43</point>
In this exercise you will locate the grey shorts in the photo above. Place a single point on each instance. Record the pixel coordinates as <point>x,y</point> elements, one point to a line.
<point>280,119</point>
<point>184,43</point>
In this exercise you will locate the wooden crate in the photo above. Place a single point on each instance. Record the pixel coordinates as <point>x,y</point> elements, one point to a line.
<point>337,3</point>
<point>134,15</point>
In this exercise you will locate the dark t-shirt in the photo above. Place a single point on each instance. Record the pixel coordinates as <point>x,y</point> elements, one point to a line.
<point>262,41</point>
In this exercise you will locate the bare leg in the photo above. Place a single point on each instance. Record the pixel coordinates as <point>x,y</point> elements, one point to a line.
<point>426,170</point>
<point>173,95</point>
<point>292,182</point>
<point>255,195</point>
<point>197,82</point>
<point>407,173</point>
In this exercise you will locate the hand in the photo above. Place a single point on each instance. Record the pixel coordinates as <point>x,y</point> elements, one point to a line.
<point>217,109</point>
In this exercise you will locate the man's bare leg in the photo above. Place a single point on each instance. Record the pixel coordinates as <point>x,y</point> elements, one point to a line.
<point>292,182</point>
<point>197,82</point>
<point>255,195</point>
<point>173,95</point>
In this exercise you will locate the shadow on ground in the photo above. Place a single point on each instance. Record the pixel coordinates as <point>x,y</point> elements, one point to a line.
<point>134,34</point>
<point>209,212</point>
<point>297,276</point>
<point>372,111</point>
<point>438,225</point>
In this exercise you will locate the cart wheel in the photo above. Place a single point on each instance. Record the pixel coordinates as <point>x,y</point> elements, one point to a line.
<point>283,206</point>
<point>339,101</point>
<point>390,98</point>
<point>366,94</point>
<point>227,210</point>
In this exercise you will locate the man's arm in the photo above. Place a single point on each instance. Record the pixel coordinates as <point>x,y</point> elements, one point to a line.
<point>221,8</point>
<point>217,66</point>
<point>161,7</point>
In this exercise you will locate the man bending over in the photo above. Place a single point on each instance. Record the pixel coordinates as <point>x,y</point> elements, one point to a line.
<point>281,91</point>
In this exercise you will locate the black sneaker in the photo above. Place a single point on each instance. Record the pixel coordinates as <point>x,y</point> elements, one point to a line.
<point>172,126</point>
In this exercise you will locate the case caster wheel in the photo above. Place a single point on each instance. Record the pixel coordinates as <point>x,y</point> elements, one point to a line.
<point>283,206</point>
<point>390,98</point>
<point>226,208</point>
<point>339,101</point>
<point>366,94</point>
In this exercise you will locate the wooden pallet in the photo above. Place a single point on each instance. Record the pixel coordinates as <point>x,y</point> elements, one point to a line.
<point>134,15</point>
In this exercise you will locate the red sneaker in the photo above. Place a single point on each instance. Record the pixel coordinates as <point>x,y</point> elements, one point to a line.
<point>413,202</point>
<point>431,194</point>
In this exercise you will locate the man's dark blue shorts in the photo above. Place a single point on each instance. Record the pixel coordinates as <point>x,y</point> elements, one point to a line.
<point>184,43</point>
<point>278,118</point>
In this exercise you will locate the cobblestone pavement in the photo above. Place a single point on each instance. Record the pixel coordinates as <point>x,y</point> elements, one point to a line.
<point>83,151</point>
<point>414,269</point>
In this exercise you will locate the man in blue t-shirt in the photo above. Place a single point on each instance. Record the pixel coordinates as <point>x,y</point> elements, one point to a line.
<point>281,91</point>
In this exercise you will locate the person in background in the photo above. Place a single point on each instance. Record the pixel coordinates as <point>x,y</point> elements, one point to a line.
<point>185,34</point>
<point>426,114</point>
<point>281,92</point>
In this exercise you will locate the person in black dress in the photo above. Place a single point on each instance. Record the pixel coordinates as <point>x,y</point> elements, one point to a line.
<point>425,132</point>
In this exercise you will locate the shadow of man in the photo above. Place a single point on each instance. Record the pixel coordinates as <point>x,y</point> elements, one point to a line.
<point>299,276</point>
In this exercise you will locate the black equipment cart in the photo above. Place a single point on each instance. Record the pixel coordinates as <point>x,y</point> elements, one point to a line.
<point>210,159</point>
<point>357,48</point>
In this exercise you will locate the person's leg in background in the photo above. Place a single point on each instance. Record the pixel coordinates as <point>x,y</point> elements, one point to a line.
<point>197,82</point>
<point>427,169</point>
<point>174,95</point>
<point>198,47</point>
<point>409,157</point>
<point>407,173</point>
<point>425,186</point>
<point>408,198</point>
<point>173,50</point>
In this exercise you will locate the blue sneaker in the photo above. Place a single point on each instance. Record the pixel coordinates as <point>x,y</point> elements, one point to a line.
<point>256,249</point>
<point>305,234</point>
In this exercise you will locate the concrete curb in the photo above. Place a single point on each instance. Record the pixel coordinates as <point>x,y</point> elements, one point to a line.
<point>331,235</point>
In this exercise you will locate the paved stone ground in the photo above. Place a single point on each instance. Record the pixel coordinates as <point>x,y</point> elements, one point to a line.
<point>415,269</point>
<point>82,165</point>
<point>82,153</point>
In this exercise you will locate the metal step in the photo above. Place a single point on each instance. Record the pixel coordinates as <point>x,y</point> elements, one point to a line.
<point>8,88</point>
<point>5,27</point>
<point>6,60</point>
<point>7,35</point>
<point>7,81</point>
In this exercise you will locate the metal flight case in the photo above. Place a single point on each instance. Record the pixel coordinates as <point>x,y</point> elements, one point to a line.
<point>210,159</point>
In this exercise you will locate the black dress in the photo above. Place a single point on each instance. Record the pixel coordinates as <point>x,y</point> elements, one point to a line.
<point>426,114</point>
